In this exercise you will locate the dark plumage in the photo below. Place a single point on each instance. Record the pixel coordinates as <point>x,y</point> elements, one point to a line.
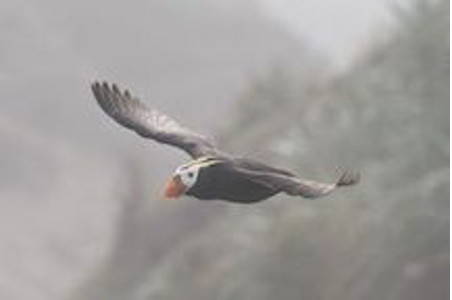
<point>211,174</point>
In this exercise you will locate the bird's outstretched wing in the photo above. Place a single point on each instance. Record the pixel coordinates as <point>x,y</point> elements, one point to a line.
<point>147,122</point>
<point>296,186</point>
<point>314,189</point>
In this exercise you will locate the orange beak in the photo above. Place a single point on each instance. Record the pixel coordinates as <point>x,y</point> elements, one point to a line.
<point>174,188</point>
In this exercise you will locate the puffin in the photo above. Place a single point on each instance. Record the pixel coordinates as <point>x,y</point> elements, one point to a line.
<point>211,174</point>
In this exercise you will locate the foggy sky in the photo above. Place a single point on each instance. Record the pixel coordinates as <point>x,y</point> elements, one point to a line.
<point>330,26</point>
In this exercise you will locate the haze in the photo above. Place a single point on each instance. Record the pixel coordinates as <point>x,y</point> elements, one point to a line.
<point>311,86</point>
<point>331,27</point>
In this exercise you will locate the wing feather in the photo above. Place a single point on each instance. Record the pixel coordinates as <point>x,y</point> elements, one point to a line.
<point>296,186</point>
<point>149,123</point>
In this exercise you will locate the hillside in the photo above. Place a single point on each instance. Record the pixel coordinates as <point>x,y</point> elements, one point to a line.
<point>64,164</point>
<point>80,197</point>
<point>386,239</point>
<point>172,54</point>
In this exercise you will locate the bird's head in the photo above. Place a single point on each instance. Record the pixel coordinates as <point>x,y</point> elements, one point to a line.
<point>182,180</point>
<point>186,176</point>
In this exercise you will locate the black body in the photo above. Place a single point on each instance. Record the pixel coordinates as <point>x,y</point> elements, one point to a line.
<point>225,181</point>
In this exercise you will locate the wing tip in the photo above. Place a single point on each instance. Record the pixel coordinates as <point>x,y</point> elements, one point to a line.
<point>103,95</point>
<point>106,87</point>
<point>349,179</point>
<point>94,85</point>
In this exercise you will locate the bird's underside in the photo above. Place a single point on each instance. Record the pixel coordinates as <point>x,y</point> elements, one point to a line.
<point>218,175</point>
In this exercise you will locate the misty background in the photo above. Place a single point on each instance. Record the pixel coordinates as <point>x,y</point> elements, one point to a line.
<point>312,86</point>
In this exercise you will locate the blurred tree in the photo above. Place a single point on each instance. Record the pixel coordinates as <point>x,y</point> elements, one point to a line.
<point>386,239</point>
<point>388,117</point>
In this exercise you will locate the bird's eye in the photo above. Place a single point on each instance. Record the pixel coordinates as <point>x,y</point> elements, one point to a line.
<point>190,174</point>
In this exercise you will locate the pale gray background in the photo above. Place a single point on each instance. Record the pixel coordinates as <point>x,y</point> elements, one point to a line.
<point>309,85</point>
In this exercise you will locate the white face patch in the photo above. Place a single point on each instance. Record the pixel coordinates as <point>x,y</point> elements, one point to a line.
<point>188,175</point>
<point>189,172</point>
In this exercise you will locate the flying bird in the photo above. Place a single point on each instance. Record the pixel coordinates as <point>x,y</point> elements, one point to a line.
<point>211,174</point>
